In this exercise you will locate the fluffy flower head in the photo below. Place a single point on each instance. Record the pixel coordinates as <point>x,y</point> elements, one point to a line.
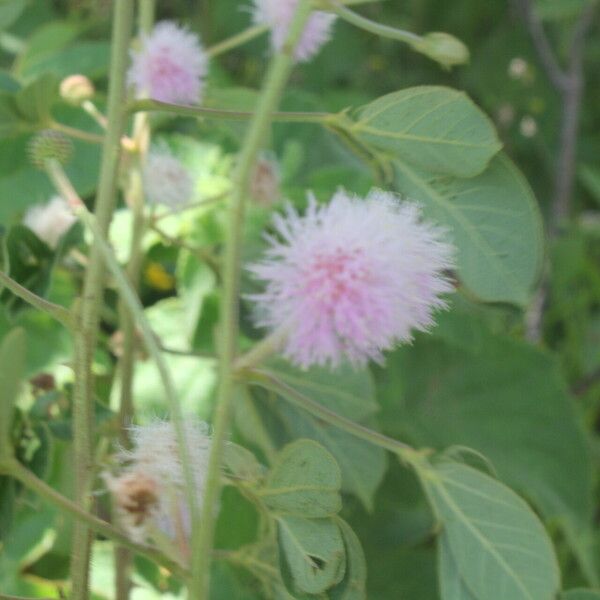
<point>352,278</point>
<point>166,180</point>
<point>278,14</point>
<point>50,221</point>
<point>149,491</point>
<point>170,66</point>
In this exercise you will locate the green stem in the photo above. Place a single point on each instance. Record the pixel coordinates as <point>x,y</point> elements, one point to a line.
<point>13,468</point>
<point>135,200</point>
<point>78,134</point>
<point>371,26</point>
<point>129,296</point>
<point>230,115</point>
<point>61,314</point>
<point>91,300</point>
<point>270,381</point>
<point>236,40</point>
<point>276,78</point>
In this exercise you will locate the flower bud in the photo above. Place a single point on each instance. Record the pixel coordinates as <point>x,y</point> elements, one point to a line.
<point>444,48</point>
<point>49,144</point>
<point>76,88</point>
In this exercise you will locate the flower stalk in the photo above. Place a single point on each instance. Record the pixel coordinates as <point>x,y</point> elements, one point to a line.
<point>279,70</point>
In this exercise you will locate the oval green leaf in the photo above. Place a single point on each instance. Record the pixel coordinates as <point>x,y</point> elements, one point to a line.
<point>437,129</point>
<point>495,539</point>
<point>580,594</point>
<point>314,552</point>
<point>494,222</point>
<point>304,481</point>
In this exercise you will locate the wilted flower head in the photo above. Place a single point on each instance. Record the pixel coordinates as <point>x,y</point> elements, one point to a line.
<point>149,492</point>
<point>352,278</point>
<point>50,221</point>
<point>278,14</point>
<point>170,66</point>
<point>166,180</point>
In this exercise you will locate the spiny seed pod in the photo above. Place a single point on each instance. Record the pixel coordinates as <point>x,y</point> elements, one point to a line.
<point>49,144</point>
<point>76,88</point>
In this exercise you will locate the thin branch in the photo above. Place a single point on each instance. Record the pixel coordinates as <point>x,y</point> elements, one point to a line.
<point>60,313</point>
<point>14,469</point>
<point>230,115</point>
<point>540,40</point>
<point>270,381</point>
<point>78,134</point>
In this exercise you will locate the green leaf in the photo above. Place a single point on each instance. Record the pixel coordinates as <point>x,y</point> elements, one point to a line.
<point>580,594</point>
<point>437,129</point>
<point>494,222</point>
<point>503,398</point>
<point>35,100</point>
<point>452,586</point>
<point>30,262</point>
<point>313,551</point>
<point>354,584</point>
<point>304,481</point>
<point>12,366</point>
<point>495,539</point>
<point>10,11</point>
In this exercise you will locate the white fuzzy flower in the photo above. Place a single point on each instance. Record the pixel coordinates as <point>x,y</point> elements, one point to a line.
<point>166,180</point>
<point>149,492</point>
<point>278,15</point>
<point>50,221</point>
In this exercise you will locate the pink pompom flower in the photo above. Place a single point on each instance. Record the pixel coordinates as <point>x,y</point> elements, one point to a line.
<point>278,14</point>
<point>170,65</point>
<point>351,279</point>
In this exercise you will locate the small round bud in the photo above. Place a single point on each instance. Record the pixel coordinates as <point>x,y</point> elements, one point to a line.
<point>444,48</point>
<point>49,144</point>
<point>76,88</point>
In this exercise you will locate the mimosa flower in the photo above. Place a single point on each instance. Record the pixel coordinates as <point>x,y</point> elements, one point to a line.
<point>170,66</point>
<point>352,279</point>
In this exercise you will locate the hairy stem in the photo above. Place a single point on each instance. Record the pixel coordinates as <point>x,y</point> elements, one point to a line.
<point>66,189</point>
<point>135,200</point>
<point>278,73</point>
<point>90,302</point>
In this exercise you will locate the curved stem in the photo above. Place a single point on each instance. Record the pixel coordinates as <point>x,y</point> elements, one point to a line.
<point>91,300</point>
<point>277,75</point>
<point>236,40</point>
<point>230,115</point>
<point>270,381</point>
<point>15,469</point>
<point>78,134</point>
<point>371,26</point>
<point>60,313</point>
